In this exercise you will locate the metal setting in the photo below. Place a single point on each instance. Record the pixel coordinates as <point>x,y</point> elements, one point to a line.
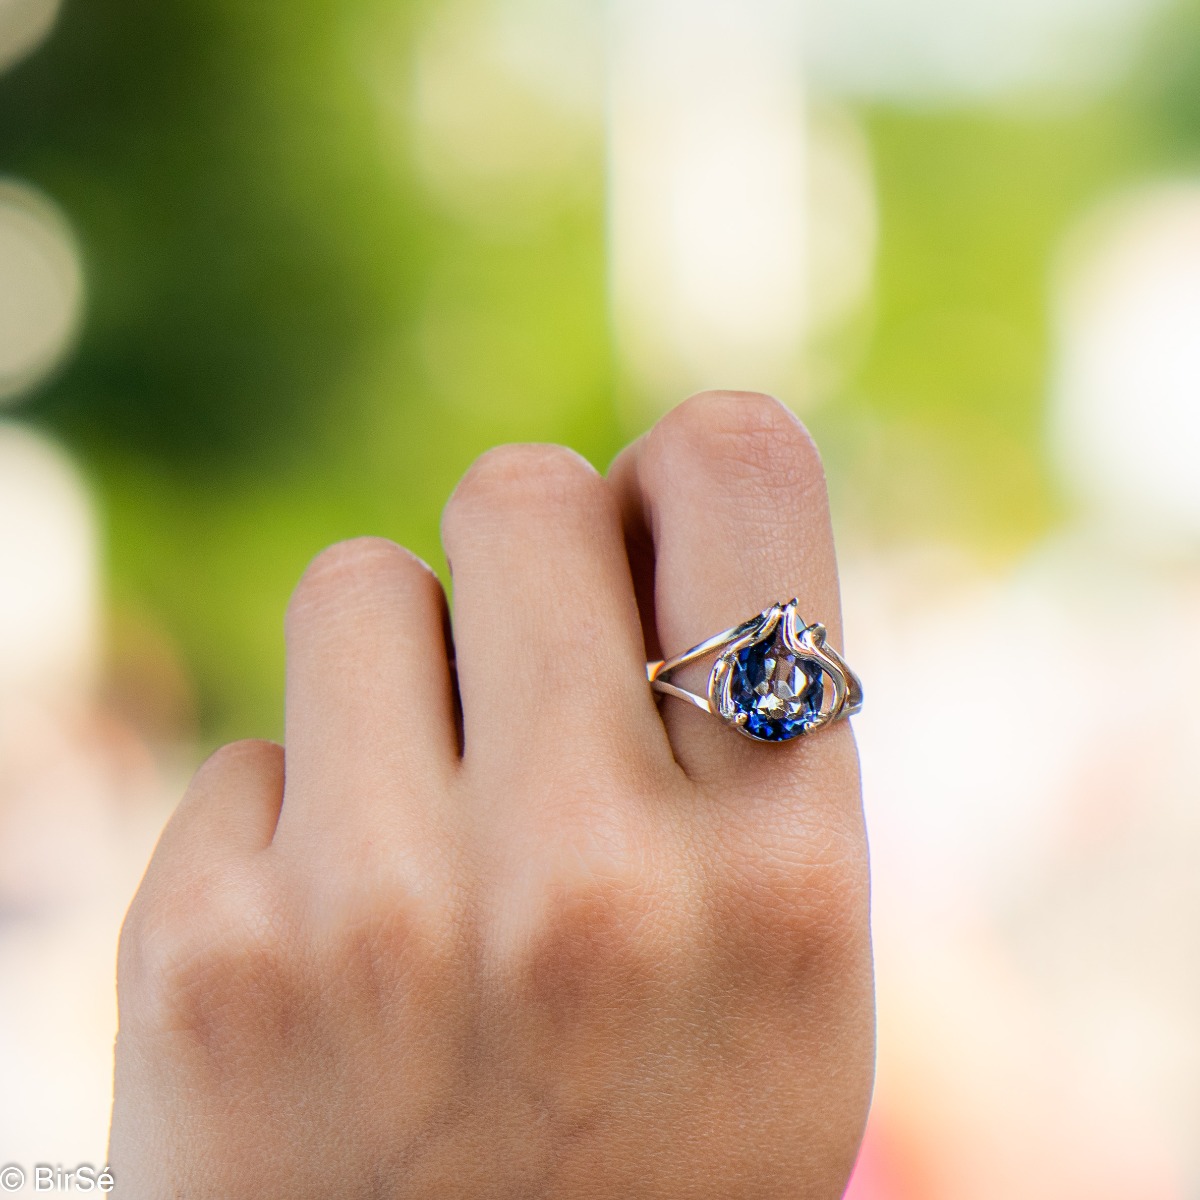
<point>842,694</point>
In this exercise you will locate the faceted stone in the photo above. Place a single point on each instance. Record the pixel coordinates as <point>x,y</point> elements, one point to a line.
<point>780,694</point>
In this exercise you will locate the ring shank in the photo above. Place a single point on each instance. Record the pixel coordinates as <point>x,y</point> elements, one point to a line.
<point>669,689</point>
<point>656,670</point>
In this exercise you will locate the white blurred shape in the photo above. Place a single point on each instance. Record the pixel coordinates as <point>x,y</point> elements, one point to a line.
<point>954,807</point>
<point>1033,840</point>
<point>41,287</point>
<point>712,163</point>
<point>707,179</point>
<point>842,217</point>
<point>948,51</point>
<point>505,105</point>
<point>1126,417</point>
<point>48,571</point>
<point>23,26</point>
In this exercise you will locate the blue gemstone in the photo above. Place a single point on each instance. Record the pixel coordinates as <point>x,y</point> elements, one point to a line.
<point>780,694</point>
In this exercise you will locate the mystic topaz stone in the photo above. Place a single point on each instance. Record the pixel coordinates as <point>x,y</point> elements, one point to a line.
<point>780,694</point>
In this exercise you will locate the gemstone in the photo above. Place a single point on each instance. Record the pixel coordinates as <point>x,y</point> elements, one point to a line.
<point>780,694</point>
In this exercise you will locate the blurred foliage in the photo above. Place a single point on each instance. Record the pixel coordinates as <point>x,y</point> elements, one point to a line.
<point>209,156</point>
<point>1167,89</point>
<point>287,342</point>
<point>292,337</point>
<point>950,396</point>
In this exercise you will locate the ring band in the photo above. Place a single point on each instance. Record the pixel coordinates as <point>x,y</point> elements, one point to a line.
<point>775,678</point>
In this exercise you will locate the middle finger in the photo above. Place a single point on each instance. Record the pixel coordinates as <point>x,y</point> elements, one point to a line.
<point>550,650</point>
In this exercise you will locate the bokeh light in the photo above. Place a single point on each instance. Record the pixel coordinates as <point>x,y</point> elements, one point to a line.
<point>1127,387</point>
<point>49,604</point>
<point>506,103</point>
<point>23,24</point>
<point>708,193</point>
<point>41,288</point>
<point>938,52</point>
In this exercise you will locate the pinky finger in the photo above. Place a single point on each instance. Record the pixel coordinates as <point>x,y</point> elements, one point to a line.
<point>230,808</point>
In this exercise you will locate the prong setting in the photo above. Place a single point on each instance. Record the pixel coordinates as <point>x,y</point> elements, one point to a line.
<point>775,678</point>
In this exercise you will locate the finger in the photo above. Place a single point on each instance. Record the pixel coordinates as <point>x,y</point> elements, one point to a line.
<point>550,651</point>
<point>215,838</point>
<point>730,490</point>
<point>230,808</point>
<point>371,720</point>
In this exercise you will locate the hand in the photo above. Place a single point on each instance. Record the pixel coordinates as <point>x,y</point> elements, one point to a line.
<point>599,949</point>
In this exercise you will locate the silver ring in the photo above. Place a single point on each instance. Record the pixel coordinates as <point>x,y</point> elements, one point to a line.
<point>775,678</point>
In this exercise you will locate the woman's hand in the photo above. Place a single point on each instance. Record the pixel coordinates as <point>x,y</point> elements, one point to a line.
<point>596,949</point>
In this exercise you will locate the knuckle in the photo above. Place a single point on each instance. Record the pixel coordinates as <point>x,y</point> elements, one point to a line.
<point>520,475</point>
<point>397,945</point>
<point>782,907</point>
<point>742,432</point>
<point>152,932</point>
<point>351,558</point>
<point>358,565</point>
<point>249,755</point>
<point>733,415</point>
<point>593,934</point>
<point>212,957</point>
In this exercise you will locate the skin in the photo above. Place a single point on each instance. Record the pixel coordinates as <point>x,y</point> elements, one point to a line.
<point>574,945</point>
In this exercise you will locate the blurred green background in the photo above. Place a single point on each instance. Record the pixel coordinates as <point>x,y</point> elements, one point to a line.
<point>292,336</point>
